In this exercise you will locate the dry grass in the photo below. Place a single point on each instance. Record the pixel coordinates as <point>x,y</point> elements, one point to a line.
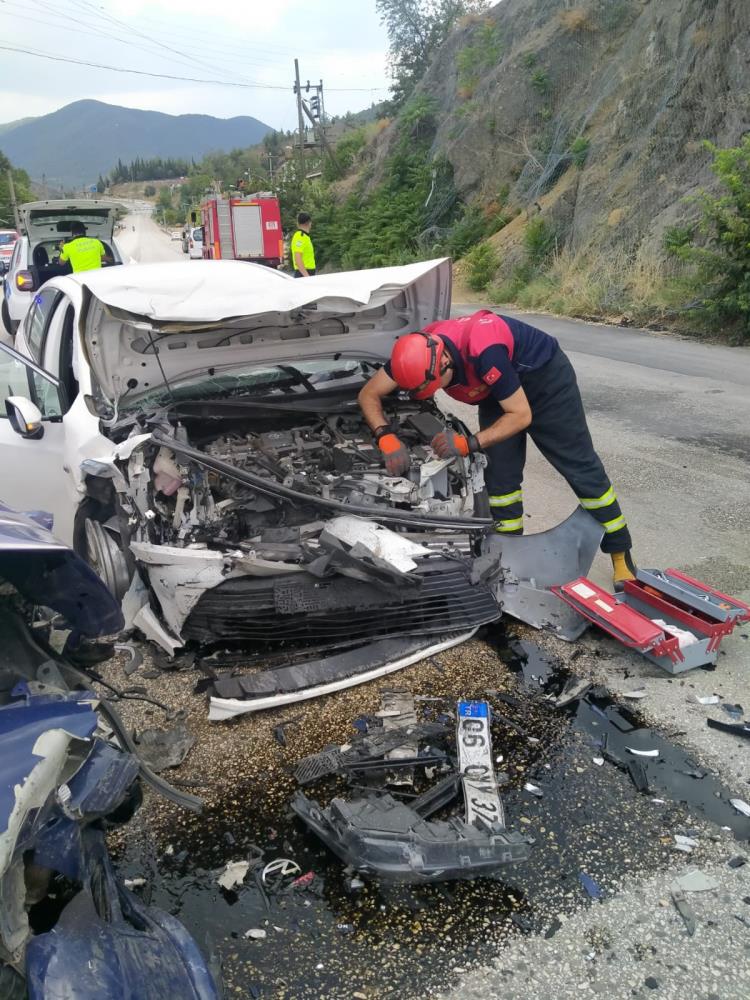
<point>576,19</point>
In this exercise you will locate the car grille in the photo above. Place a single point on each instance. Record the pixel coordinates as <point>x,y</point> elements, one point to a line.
<point>299,608</point>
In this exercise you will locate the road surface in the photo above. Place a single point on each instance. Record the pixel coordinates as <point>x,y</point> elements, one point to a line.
<point>141,241</point>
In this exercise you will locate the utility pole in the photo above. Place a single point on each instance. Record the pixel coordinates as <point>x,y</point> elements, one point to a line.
<point>300,120</point>
<point>13,201</point>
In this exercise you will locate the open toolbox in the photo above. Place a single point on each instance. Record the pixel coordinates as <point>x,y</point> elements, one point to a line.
<point>673,620</point>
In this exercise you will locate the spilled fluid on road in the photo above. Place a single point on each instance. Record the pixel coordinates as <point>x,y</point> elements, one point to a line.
<point>339,937</point>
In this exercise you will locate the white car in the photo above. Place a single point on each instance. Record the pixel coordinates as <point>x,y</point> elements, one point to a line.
<point>196,436</point>
<point>195,243</point>
<point>44,225</point>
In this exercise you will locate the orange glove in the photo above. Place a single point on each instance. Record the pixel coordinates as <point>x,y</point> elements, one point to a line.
<point>397,460</point>
<point>448,444</point>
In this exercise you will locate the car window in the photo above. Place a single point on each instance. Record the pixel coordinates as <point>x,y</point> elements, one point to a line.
<point>14,380</point>
<point>36,324</point>
<point>18,377</point>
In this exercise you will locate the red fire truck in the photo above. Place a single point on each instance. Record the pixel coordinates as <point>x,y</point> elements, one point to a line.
<point>243,228</point>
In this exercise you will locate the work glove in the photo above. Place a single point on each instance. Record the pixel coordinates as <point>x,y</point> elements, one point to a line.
<point>397,459</point>
<point>448,444</point>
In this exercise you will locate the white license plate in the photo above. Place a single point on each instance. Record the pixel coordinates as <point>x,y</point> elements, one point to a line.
<point>483,806</point>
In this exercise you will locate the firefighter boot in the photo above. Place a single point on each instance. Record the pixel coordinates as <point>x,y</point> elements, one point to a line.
<point>623,568</point>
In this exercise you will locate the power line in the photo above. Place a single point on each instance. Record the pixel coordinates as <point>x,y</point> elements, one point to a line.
<point>170,76</point>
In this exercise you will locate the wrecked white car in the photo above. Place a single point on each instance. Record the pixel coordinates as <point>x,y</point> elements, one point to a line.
<point>195,433</point>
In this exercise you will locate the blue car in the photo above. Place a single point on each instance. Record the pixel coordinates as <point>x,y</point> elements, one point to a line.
<point>69,927</point>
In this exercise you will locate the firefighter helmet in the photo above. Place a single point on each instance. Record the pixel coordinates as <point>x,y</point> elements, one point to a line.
<point>416,364</point>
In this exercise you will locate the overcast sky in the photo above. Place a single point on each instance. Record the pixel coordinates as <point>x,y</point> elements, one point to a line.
<point>253,42</point>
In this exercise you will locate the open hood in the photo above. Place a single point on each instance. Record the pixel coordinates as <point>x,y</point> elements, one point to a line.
<point>174,320</point>
<point>51,220</point>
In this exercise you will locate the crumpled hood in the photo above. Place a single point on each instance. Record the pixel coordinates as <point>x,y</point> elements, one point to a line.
<point>223,314</point>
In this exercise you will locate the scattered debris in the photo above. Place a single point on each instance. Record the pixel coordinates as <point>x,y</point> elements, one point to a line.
<point>279,869</point>
<point>597,760</point>
<point>736,711</point>
<point>135,657</point>
<point>643,753</point>
<point>590,885</point>
<point>234,874</point>
<point>741,729</point>
<point>709,699</point>
<point>533,789</point>
<point>161,749</point>
<point>256,934</point>
<point>639,775</point>
<point>685,843</point>
<point>134,883</point>
<point>635,695</point>
<point>575,689</point>
<point>694,881</point>
<point>737,862</point>
<point>740,806</point>
<point>685,910</point>
<point>304,880</point>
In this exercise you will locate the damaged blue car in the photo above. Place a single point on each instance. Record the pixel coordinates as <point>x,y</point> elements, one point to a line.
<point>68,773</point>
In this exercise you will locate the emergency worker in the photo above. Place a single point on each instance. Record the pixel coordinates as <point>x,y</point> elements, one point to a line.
<point>522,382</point>
<point>84,253</point>
<point>303,253</point>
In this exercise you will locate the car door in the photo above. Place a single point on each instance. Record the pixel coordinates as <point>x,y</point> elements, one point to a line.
<point>34,474</point>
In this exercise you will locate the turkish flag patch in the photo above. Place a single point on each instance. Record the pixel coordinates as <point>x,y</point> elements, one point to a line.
<point>491,376</point>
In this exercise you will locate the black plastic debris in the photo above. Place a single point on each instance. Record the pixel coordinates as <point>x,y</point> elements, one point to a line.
<point>161,749</point>
<point>741,729</point>
<point>383,837</point>
<point>686,911</point>
<point>737,862</point>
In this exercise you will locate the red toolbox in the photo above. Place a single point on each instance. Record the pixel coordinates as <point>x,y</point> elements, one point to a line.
<point>673,620</point>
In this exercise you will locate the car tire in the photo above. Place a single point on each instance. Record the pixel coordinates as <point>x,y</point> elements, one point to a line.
<point>7,323</point>
<point>106,558</point>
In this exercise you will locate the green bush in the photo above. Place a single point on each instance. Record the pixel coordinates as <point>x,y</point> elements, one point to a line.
<point>579,150</point>
<point>480,55</point>
<point>149,191</point>
<point>347,149</point>
<point>509,289</point>
<point>540,81</point>
<point>481,264</point>
<point>676,238</point>
<point>723,262</point>
<point>539,239</point>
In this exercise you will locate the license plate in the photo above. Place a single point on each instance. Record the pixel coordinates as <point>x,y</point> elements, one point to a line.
<point>483,806</point>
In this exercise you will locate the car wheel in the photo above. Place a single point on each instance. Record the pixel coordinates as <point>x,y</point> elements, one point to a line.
<point>6,318</point>
<point>106,558</point>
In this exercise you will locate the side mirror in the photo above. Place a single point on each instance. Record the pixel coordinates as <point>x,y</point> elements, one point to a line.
<point>25,418</point>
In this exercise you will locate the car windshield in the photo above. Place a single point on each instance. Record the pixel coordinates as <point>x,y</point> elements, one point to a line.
<point>297,378</point>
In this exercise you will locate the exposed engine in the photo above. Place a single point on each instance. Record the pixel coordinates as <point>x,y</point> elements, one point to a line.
<point>182,502</point>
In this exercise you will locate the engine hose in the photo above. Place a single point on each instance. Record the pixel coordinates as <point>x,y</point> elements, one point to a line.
<point>287,493</point>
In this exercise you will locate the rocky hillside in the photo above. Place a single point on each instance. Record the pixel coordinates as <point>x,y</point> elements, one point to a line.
<point>585,118</point>
<point>633,85</point>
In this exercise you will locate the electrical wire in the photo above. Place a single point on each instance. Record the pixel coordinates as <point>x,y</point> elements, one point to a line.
<point>172,76</point>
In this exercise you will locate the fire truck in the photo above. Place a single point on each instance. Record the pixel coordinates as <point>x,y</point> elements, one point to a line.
<point>247,227</point>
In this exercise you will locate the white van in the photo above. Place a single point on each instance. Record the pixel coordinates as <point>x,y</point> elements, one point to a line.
<point>195,243</point>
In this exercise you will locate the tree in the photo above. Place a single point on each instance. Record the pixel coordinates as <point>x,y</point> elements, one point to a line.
<point>22,186</point>
<point>724,259</point>
<point>416,29</point>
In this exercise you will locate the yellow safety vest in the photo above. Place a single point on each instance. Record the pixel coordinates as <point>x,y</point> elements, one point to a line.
<point>301,243</point>
<point>84,253</point>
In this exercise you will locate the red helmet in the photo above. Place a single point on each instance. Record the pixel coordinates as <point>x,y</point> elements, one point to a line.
<point>415,364</point>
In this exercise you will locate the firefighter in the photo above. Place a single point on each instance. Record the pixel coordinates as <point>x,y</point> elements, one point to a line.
<point>84,253</point>
<point>522,382</point>
<point>303,254</point>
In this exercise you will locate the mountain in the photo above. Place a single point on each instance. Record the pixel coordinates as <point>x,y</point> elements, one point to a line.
<point>77,143</point>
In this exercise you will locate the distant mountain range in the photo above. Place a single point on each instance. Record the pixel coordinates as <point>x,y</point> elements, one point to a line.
<point>73,146</point>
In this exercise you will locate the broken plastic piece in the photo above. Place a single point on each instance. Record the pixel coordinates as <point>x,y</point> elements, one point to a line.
<point>304,880</point>
<point>737,862</point>
<point>741,729</point>
<point>533,789</point>
<point>708,699</point>
<point>694,881</point>
<point>234,874</point>
<point>740,806</point>
<point>685,910</point>
<point>598,761</point>
<point>643,753</point>
<point>281,868</point>
<point>590,885</point>
<point>682,841</point>
<point>635,695</point>
<point>255,933</point>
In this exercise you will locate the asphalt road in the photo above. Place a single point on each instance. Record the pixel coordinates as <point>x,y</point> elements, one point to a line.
<point>141,241</point>
<point>671,420</point>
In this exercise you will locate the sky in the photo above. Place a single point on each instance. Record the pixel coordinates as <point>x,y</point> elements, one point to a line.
<point>253,42</point>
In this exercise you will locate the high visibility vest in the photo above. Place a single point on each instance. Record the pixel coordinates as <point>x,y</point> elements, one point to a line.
<point>471,335</point>
<point>301,243</point>
<point>84,253</point>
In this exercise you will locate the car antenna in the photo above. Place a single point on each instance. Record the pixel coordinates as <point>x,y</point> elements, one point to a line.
<point>161,367</point>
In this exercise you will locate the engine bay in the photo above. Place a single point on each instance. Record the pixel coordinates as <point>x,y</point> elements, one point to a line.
<point>183,502</point>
